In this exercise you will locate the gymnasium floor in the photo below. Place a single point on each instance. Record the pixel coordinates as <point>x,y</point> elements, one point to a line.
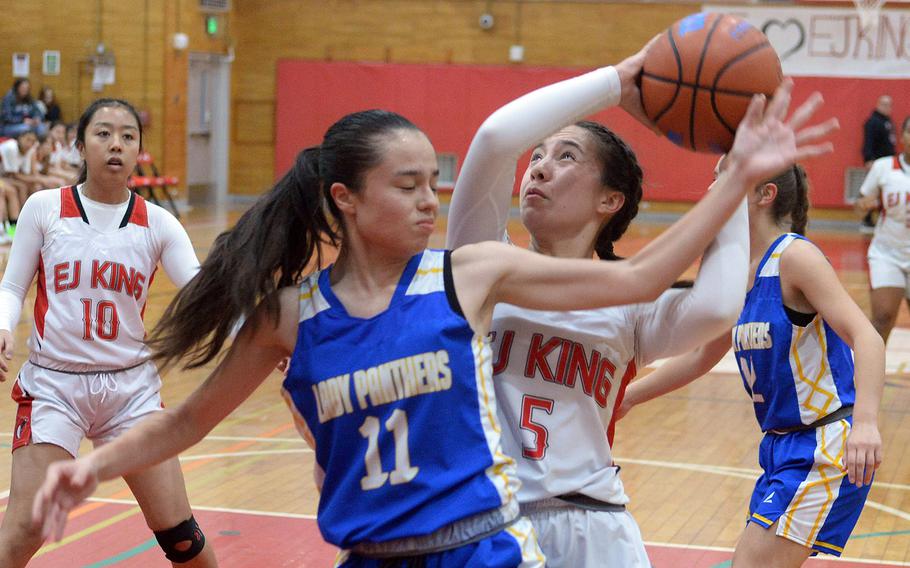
<point>689,461</point>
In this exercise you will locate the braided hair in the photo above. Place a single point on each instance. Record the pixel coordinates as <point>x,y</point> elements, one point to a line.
<point>619,171</point>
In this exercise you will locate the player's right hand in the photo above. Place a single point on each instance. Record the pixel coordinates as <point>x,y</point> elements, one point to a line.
<point>67,484</point>
<point>7,343</point>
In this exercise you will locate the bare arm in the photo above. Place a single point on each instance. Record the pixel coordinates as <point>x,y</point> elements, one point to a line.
<point>675,373</point>
<point>805,271</point>
<point>249,361</point>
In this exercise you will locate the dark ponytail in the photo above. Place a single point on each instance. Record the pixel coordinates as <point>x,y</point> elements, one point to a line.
<point>273,243</point>
<point>86,119</point>
<point>620,172</point>
<point>792,201</point>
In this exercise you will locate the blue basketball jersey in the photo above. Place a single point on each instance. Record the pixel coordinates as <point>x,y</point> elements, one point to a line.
<point>795,375</point>
<point>400,408</point>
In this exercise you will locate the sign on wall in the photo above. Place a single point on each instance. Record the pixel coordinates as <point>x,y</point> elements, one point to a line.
<point>829,41</point>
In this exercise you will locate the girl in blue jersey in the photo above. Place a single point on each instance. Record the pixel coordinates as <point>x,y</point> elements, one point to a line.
<point>390,374</point>
<point>793,346</point>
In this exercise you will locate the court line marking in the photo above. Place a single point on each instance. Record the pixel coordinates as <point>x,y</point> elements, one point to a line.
<point>826,557</point>
<point>743,472</point>
<point>215,509</point>
<point>243,454</point>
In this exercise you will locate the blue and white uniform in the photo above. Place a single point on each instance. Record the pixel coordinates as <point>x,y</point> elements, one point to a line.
<point>797,375</point>
<point>400,408</point>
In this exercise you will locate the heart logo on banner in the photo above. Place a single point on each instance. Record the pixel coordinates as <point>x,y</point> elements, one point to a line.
<point>787,37</point>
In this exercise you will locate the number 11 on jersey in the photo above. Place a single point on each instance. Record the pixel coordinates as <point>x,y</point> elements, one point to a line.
<point>375,478</point>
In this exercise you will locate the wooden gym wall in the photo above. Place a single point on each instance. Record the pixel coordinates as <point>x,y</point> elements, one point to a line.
<point>150,73</point>
<point>561,33</point>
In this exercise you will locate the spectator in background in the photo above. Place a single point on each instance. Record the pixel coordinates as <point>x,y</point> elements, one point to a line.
<point>47,101</point>
<point>9,212</point>
<point>70,154</point>
<point>19,112</point>
<point>62,158</point>
<point>42,164</point>
<point>17,166</point>
<point>878,142</point>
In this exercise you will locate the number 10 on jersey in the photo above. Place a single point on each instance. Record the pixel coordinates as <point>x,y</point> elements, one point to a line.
<point>100,320</point>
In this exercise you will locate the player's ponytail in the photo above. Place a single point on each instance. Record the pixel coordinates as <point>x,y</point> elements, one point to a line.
<point>620,172</point>
<point>792,201</point>
<point>273,243</point>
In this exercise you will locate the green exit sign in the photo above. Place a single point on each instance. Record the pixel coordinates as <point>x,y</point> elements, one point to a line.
<point>212,25</point>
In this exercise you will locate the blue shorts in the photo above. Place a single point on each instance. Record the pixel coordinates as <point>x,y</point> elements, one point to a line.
<point>805,489</point>
<point>515,546</point>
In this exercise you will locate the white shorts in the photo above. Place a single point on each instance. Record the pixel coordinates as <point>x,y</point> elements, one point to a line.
<point>62,408</point>
<point>574,537</point>
<point>887,269</point>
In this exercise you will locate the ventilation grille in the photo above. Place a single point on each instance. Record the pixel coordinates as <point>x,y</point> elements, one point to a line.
<point>448,169</point>
<point>853,179</point>
<point>215,5</point>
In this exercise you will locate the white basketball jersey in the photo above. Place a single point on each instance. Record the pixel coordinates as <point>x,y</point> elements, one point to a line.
<point>92,287</point>
<point>890,179</point>
<point>559,376</point>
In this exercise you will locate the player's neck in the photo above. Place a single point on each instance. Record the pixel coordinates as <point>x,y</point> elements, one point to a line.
<point>361,273</point>
<point>104,191</point>
<point>763,234</point>
<point>580,245</point>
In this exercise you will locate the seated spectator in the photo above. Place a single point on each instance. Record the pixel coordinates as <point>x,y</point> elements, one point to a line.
<point>19,112</point>
<point>9,212</point>
<point>47,102</point>
<point>16,165</point>
<point>42,165</point>
<point>70,154</point>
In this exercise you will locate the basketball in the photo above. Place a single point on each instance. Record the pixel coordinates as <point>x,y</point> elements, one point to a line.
<point>699,77</point>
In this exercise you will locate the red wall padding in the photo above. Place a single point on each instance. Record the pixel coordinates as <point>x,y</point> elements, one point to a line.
<point>449,102</point>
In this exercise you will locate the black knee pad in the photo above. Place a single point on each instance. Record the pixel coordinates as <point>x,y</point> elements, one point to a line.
<point>187,531</point>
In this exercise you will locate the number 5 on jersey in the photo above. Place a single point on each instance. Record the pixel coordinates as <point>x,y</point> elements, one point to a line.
<point>529,404</point>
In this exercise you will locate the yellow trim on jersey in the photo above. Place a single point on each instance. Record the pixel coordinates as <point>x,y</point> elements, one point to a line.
<point>425,271</point>
<point>306,296</point>
<point>763,519</point>
<point>524,539</point>
<point>826,545</point>
<point>822,469</point>
<point>813,385</point>
<point>504,460</point>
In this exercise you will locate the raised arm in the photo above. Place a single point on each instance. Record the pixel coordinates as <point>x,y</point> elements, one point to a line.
<point>249,361</point>
<point>764,145</point>
<point>483,193</point>
<point>682,320</point>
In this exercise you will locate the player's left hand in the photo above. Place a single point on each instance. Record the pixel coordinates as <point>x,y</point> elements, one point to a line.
<point>864,453</point>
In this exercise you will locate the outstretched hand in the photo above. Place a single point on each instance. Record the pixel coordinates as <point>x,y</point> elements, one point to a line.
<point>767,142</point>
<point>67,484</point>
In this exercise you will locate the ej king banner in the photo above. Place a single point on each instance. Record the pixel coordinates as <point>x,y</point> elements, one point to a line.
<point>828,41</point>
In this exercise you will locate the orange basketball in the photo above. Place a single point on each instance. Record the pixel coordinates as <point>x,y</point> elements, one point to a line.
<point>699,77</point>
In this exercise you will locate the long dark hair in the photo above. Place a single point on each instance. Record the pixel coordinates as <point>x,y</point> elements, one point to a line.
<point>792,201</point>
<point>86,119</point>
<point>619,171</point>
<point>272,243</point>
<point>28,97</point>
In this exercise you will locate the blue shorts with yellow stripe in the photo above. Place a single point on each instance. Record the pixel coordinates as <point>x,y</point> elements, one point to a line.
<point>805,488</point>
<point>512,547</point>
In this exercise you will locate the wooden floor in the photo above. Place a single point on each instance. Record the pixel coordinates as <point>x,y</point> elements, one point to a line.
<point>689,461</point>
